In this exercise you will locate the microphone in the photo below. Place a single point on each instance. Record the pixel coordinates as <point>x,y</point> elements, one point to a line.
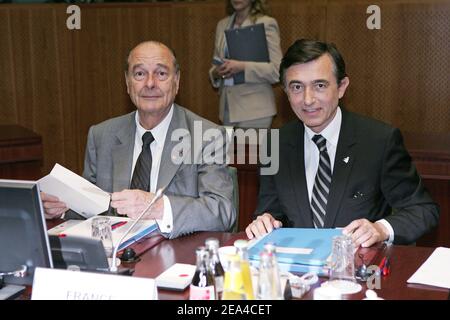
<point>158,195</point>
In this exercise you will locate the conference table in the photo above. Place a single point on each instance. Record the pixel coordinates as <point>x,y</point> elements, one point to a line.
<point>157,254</point>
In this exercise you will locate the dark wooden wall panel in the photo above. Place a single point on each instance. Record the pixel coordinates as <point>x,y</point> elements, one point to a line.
<point>400,73</point>
<point>58,82</point>
<point>194,47</point>
<point>8,107</point>
<point>296,19</point>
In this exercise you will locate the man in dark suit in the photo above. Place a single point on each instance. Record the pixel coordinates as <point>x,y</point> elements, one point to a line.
<point>337,168</point>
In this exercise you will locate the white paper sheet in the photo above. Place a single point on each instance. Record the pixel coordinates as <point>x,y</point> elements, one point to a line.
<point>79,194</point>
<point>435,271</point>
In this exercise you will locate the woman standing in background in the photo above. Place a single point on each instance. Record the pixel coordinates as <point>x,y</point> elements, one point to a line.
<point>252,103</point>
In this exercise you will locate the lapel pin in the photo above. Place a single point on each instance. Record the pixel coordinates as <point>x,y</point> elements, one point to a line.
<point>346,159</point>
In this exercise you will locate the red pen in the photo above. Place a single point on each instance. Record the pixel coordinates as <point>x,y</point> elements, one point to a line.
<point>118,224</point>
<point>382,263</point>
<point>387,267</point>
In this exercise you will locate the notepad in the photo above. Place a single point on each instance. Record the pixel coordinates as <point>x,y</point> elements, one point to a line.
<point>83,229</point>
<point>434,271</point>
<point>177,277</point>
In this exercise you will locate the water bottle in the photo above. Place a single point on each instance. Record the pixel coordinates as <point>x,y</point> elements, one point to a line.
<point>269,287</point>
<point>270,248</point>
<point>216,267</point>
<point>242,251</point>
<point>202,285</point>
<point>233,285</point>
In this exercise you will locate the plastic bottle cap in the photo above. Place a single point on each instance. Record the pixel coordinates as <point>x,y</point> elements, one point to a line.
<point>212,242</point>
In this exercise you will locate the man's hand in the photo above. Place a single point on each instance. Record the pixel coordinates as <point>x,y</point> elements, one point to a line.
<point>261,225</point>
<point>132,202</point>
<point>53,208</point>
<point>365,233</point>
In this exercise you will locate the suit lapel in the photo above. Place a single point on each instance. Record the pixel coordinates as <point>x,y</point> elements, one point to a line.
<point>168,167</point>
<point>122,154</point>
<point>297,174</point>
<point>343,162</point>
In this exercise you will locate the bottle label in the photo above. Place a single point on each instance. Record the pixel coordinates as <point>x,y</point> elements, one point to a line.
<point>201,293</point>
<point>219,283</point>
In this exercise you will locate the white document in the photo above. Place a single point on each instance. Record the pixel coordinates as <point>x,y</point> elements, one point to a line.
<point>56,284</point>
<point>434,271</point>
<point>79,194</point>
<point>177,277</point>
<point>119,226</point>
<point>293,250</point>
<point>60,228</point>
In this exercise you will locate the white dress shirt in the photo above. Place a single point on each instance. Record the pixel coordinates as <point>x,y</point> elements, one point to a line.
<point>312,155</point>
<point>156,148</point>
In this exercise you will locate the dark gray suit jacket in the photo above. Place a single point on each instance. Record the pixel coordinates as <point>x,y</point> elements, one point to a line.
<point>378,181</point>
<point>200,194</point>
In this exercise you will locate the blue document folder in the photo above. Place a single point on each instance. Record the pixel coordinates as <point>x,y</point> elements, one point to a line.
<point>298,246</point>
<point>138,236</point>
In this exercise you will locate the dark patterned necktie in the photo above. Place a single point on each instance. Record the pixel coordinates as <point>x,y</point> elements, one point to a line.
<point>143,167</point>
<point>322,183</point>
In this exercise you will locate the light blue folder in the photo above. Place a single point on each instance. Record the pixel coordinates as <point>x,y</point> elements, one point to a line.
<point>319,240</point>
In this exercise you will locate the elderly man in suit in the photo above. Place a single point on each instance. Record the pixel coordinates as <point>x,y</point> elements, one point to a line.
<point>337,168</point>
<point>133,155</point>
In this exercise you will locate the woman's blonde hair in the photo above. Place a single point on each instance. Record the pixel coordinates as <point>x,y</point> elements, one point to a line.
<point>258,8</point>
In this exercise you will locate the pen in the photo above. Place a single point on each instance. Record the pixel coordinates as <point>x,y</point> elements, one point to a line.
<point>387,266</point>
<point>380,269</point>
<point>117,225</point>
<point>382,263</point>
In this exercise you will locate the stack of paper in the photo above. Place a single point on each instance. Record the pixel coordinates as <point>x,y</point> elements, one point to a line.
<point>298,249</point>
<point>79,194</point>
<point>177,277</point>
<point>434,271</point>
<point>120,226</point>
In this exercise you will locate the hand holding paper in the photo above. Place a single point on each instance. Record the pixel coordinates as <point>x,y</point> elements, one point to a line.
<point>76,192</point>
<point>132,202</point>
<point>53,208</point>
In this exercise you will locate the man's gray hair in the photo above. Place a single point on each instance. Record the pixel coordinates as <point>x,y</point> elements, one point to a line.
<point>175,62</point>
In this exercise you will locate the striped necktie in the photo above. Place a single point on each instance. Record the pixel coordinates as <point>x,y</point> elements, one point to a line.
<point>143,167</point>
<point>322,183</point>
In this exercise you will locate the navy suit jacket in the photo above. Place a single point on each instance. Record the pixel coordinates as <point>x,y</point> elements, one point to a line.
<point>377,181</point>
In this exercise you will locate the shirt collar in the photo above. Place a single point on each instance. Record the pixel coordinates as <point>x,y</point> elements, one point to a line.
<point>331,132</point>
<point>159,132</point>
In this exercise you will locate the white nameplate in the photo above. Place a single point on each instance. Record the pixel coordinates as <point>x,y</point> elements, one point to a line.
<point>57,284</point>
<point>294,250</point>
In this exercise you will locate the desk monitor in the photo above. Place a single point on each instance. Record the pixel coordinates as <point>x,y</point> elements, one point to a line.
<point>23,231</point>
<point>85,253</point>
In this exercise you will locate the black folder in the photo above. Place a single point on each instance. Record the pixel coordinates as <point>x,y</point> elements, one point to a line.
<point>247,44</point>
